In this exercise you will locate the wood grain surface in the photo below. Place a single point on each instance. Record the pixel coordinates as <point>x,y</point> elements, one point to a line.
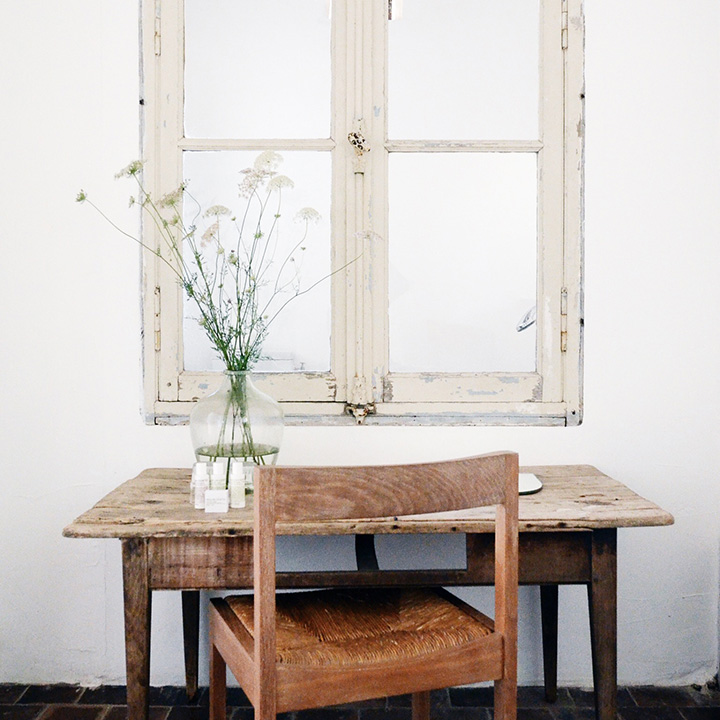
<point>574,497</point>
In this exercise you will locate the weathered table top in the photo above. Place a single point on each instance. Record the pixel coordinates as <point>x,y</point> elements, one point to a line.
<point>574,497</point>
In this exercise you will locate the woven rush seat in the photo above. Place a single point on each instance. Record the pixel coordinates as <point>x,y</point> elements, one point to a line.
<point>350,627</point>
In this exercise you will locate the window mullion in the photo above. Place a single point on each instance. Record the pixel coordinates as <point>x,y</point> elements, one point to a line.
<point>550,203</point>
<point>363,162</point>
<point>163,98</point>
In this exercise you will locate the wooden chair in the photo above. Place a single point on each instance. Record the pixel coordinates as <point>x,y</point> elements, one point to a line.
<point>304,650</point>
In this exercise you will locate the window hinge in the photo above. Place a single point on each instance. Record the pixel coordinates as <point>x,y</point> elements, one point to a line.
<point>157,319</point>
<point>564,27</point>
<point>563,320</point>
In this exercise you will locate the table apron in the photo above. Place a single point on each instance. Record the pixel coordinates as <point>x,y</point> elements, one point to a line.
<point>222,562</point>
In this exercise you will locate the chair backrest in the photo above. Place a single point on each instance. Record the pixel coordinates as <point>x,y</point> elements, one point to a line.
<point>294,494</point>
<point>325,493</point>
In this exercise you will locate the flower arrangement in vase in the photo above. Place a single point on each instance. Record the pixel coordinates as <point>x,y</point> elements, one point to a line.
<point>229,271</point>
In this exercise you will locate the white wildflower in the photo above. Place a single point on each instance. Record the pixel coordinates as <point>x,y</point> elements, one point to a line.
<point>216,211</point>
<point>130,170</point>
<point>279,182</point>
<point>309,215</point>
<point>210,234</point>
<point>251,182</point>
<point>173,198</point>
<point>268,161</point>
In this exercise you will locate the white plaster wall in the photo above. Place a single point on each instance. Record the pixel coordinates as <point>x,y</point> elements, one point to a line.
<point>70,353</point>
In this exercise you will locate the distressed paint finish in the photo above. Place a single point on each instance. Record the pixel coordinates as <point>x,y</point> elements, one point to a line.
<point>359,378</point>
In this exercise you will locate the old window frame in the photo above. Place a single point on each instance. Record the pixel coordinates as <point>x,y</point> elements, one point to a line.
<point>359,388</point>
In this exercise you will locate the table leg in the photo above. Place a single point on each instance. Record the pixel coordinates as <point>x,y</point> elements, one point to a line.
<point>549,615</point>
<point>137,599</point>
<point>191,634</point>
<point>602,596</point>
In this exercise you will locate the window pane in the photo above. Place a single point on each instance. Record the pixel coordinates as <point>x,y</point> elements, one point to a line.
<point>462,248</point>
<point>464,69</point>
<point>299,338</point>
<point>257,69</point>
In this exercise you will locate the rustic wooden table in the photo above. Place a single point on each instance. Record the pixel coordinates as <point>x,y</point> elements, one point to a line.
<point>568,535</point>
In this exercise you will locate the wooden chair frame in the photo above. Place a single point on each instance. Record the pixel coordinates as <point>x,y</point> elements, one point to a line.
<point>292,495</point>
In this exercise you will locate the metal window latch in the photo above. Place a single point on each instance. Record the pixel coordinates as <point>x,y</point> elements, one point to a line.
<point>358,141</point>
<point>360,412</point>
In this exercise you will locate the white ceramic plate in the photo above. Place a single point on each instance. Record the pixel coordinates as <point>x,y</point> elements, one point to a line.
<point>529,484</point>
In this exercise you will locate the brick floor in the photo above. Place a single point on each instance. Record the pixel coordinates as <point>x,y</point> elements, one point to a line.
<point>72,702</point>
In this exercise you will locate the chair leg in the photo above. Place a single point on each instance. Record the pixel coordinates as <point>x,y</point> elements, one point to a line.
<point>505,700</point>
<point>421,705</point>
<point>218,689</point>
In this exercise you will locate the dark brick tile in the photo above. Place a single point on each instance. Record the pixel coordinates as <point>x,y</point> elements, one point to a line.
<point>534,714</point>
<point>119,712</point>
<point>168,695</point>
<point>328,713</point>
<point>9,693</point>
<point>462,713</point>
<point>663,696</point>
<point>574,713</point>
<point>46,694</point>
<point>472,696</point>
<point>701,713</point>
<point>380,703</point>
<point>391,713</point>
<point>534,697</point>
<point>650,713</point>
<point>438,699</point>
<point>586,698</point>
<point>20,712</point>
<point>75,712</point>
<point>236,698</point>
<point>704,696</point>
<point>104,695</point>
<point>202,697</point>
<point>189,712</point>
<point>240,713</point>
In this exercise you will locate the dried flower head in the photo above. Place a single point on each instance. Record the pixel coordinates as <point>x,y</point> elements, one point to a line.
<point>309,215</point>
<point>173,198</point>
<point>279,182</point>
<point>210,234</point>
<point>268,161</point>
<point>217,211</point>
<point>251,182</point>
<point>134,168</point>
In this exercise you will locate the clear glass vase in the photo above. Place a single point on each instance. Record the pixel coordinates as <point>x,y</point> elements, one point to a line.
<point>237,421</point>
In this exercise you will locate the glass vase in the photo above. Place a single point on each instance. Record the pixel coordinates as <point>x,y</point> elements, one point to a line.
<point>237,421</point>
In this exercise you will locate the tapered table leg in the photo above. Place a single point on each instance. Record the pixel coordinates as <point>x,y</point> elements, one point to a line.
<point>137,601</point>
<point>191,634</point>
<point>549,613</point>
<point>602,595</point>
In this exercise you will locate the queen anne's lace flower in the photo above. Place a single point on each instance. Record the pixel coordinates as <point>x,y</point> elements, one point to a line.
<point>309,215</point>
<point>279,182</point>
<point>268,161</point>
<point>210,234</point>
<point>130,170</point>
<point>251,182</point>
<point>216,211</point>
<point>172,199</point>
